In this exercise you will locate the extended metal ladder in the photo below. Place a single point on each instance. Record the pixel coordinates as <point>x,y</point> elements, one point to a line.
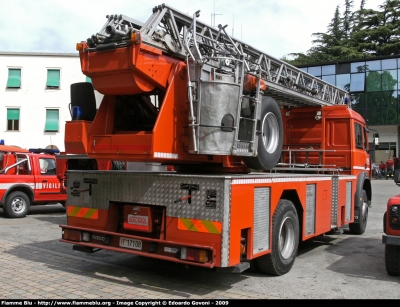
<point>180,35</point>
<point>210,52</point>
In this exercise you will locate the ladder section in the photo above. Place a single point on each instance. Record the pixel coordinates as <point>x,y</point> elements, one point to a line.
<point>180,35</point>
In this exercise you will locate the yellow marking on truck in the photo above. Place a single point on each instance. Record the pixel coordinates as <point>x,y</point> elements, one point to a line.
<point>86,213</point>
<point>200,225</point>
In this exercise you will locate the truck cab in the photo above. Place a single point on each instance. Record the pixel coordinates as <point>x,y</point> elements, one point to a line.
<point>330,139</point>
<point>27,177</point>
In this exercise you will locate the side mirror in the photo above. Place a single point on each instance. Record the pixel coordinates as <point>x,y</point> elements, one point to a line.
<point>375,140</point>
<point>397,176</point>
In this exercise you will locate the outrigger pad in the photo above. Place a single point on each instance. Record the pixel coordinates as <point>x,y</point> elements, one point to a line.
<point>82,95</point>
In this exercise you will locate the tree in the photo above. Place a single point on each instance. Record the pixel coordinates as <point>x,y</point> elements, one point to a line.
<point>378,33</point>
<point>359,34</point>
<point>347,21</point>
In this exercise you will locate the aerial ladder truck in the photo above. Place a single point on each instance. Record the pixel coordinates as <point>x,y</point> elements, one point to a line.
<point>260,154</point>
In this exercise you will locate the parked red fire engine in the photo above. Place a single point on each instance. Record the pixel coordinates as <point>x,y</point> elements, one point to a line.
<point>264,154</point>
<point>28,177</point>
<point>391,229</point>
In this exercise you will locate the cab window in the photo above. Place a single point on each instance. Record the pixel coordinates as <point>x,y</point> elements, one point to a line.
<point>358,135</point>
<point>47,166</point>
<point>365,140</point>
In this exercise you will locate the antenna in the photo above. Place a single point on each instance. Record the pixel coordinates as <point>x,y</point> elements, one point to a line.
<point>233,23</point>
<point>214,16</point>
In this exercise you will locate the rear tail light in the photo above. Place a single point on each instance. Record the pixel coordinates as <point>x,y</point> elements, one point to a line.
<point>194,254</point>
<point>394,217</point>
<point>73,235</point>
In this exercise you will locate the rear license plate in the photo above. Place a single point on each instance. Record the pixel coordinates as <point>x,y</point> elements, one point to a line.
<point>130,243</point>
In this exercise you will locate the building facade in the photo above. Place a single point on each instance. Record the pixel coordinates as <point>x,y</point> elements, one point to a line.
<point>35,97</point>
<point>374,87</point>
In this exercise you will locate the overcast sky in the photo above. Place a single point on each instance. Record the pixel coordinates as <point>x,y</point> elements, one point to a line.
<point>277,27</point>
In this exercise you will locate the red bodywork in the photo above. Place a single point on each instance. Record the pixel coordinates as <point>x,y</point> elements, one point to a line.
<point>395,200</point>
<point>135,70</point>
<point>337,139</point>
<point>36,177</point>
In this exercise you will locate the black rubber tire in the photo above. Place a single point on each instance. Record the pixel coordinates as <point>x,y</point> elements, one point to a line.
<point>359,227</point>
<point>285,241</point>
<point>17,205</point>
<point>270,139</point>
<point>392,259</point>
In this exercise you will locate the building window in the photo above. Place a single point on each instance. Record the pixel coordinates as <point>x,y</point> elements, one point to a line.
<point>357,82</point>
<point>389,80</point>
<point>14,78</point>
<point>12,119</point>
<point>315,71</point>
<point>373,65</point>
<point>329,79</point>
<point>343,81</point>
<point>389,64</point>
<point>51,120</point>
<point>374,81</point>
<point>358,67</point>
<point>53,78</point>
<point>328,70</point>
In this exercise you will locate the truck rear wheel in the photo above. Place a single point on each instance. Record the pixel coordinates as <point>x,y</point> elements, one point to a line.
<point>392,259</point>
<point>17,205</point>
<point>270,139</point>
<point>359,228</point>
<point>285,240</point>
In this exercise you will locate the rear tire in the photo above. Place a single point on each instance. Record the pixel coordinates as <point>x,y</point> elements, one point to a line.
<point>17,205</point>
<point>359,228</point>
<point>270,139</point>
<point>392,259</point>
<point>285,241</point>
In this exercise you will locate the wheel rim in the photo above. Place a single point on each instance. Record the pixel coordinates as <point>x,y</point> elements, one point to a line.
<point>18,205</point>
<point>364,213</point>
<point>270,132</point>
<point>286,238</point>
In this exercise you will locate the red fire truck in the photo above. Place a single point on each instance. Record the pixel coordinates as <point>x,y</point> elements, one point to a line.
<point>263,154</point>
<point>27,177</point>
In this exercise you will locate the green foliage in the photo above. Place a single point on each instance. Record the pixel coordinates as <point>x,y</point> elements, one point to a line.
<point>360,34</point>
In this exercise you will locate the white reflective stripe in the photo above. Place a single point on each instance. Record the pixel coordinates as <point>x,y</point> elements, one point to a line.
<point>165,155</point>
<point>272,180</point>
<point>361,168</point>
<point>286,179</point>
<point>348,177</point>
<point>5,186</point>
